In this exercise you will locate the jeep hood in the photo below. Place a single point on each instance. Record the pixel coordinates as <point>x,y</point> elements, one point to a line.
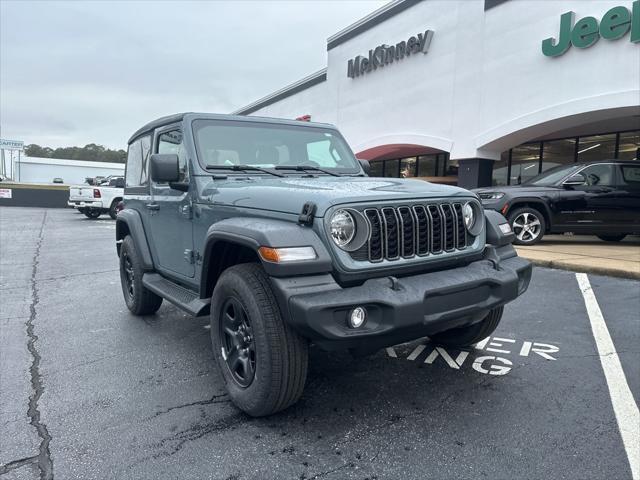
<point>289,194</point>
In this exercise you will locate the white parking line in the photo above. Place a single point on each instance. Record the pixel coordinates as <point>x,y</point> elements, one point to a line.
<point>624,406</point>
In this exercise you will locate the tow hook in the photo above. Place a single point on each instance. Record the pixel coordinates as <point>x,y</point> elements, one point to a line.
<point>492,256</point>
<point>395,283</point>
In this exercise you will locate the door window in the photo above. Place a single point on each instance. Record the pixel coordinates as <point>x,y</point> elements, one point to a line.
<point>629,175</point>
<point>599,175</point>
<point>138,162</point>
<point>171,142</point>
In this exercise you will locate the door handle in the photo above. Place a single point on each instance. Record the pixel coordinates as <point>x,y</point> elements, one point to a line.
<point>153,206</point>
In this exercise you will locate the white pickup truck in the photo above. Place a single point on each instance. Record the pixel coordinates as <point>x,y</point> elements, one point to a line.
<point>93,201</point>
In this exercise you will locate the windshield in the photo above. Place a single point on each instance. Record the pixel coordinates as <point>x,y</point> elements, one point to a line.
<point>227,143</point>
<point>552,176</point>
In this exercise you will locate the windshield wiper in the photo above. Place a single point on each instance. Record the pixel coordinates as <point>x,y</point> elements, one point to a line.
<point>304,168</point>
<point>242,168</point>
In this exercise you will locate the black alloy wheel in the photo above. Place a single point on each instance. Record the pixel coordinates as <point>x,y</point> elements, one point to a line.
<point>528,224</point>
<point>129,275</point>
<point>237,342</point>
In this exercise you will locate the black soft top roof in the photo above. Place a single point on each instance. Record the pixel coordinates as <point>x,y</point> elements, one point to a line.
<point>178,117</point>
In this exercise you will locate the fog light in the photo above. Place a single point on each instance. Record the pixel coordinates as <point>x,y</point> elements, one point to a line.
<point>357,317</point>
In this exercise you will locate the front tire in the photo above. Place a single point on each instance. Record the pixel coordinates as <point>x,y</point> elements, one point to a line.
<point>612,238</point>
<point>139,299</point>
<point>92,213</point>
<point>528,224</point>
<point>472,334</point>
<point>262,360</point>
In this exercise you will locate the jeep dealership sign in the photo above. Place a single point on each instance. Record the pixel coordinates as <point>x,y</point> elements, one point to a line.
<point>615,24</point>
<point>385,54</point>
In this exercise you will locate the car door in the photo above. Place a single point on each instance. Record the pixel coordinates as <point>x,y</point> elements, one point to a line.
<point>170,212</point>
<point>628,198</point>
<point>599,196</point>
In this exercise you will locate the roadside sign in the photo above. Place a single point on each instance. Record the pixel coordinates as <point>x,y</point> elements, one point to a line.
<point>5,193</point>
<point>11,144</point>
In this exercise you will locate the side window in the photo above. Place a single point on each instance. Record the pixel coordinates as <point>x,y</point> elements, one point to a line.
<point>146,153</point>
<point>138,162</point>
<point>599,175</point>
<point>629,175</point>
<point>171,142</point>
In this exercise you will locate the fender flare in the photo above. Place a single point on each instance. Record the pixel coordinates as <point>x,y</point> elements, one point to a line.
<point>515,203</point>
<point>495,236</point>
<point>129,220</point>
<point>254,233</point>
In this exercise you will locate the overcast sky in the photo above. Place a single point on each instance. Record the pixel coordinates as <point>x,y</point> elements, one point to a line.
<point>73,73</point>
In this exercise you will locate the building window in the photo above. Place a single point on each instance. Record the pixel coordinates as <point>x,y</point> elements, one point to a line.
<point>629,145</point>
<point>377,168</point>
<point>525,163</point>
<point>450,167</point>
<point>558,152</point>
<point>392,168</point>
<point>597,147</point>
<point>427,166</point>
<point>408,167</point>
<point>441,165</point>
<point>501,170</point>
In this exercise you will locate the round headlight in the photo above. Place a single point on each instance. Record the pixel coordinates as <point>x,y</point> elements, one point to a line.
<point>468,215</point>
<point>343,227</point>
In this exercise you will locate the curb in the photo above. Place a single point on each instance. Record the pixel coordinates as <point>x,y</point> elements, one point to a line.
<point>610,272</point>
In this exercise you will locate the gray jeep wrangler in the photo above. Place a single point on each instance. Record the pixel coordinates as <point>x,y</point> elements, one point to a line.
<point>275,230</point>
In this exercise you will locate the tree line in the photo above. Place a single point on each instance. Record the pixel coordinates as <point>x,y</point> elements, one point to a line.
<point>90,152</point>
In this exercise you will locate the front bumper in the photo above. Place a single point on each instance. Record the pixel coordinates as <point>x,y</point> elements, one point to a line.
<point>405,308</point>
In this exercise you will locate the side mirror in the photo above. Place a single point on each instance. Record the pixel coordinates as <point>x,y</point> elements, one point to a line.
<point>164,168</point>
<point>366,166</point>
<point>575,180</point>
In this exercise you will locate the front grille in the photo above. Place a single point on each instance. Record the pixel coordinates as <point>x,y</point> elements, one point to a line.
<point>410,231</point>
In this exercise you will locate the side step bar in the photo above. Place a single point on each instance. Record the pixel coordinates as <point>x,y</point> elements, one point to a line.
<point>181,297</point>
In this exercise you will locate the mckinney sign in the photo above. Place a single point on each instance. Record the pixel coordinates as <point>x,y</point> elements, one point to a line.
<point>616,23</point>
<point>385,54</point>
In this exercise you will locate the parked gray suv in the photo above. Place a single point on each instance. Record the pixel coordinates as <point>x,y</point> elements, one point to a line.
<point>275,230</point>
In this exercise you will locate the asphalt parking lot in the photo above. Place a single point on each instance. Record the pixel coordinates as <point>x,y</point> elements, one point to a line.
<point>88,391</point>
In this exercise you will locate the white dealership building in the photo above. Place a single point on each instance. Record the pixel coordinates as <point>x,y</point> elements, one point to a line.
<point>477,92</point>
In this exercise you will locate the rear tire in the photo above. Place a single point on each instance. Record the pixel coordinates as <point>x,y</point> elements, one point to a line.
<point>528,224</point>
<point>139,299</point>
<point>92,213</point>
<point>467,336</point>
<point>113,213</point>
<point>262,360</point>
<point>612,238</point>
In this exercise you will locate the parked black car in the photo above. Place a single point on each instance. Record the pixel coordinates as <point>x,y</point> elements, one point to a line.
<point>596,198</point>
